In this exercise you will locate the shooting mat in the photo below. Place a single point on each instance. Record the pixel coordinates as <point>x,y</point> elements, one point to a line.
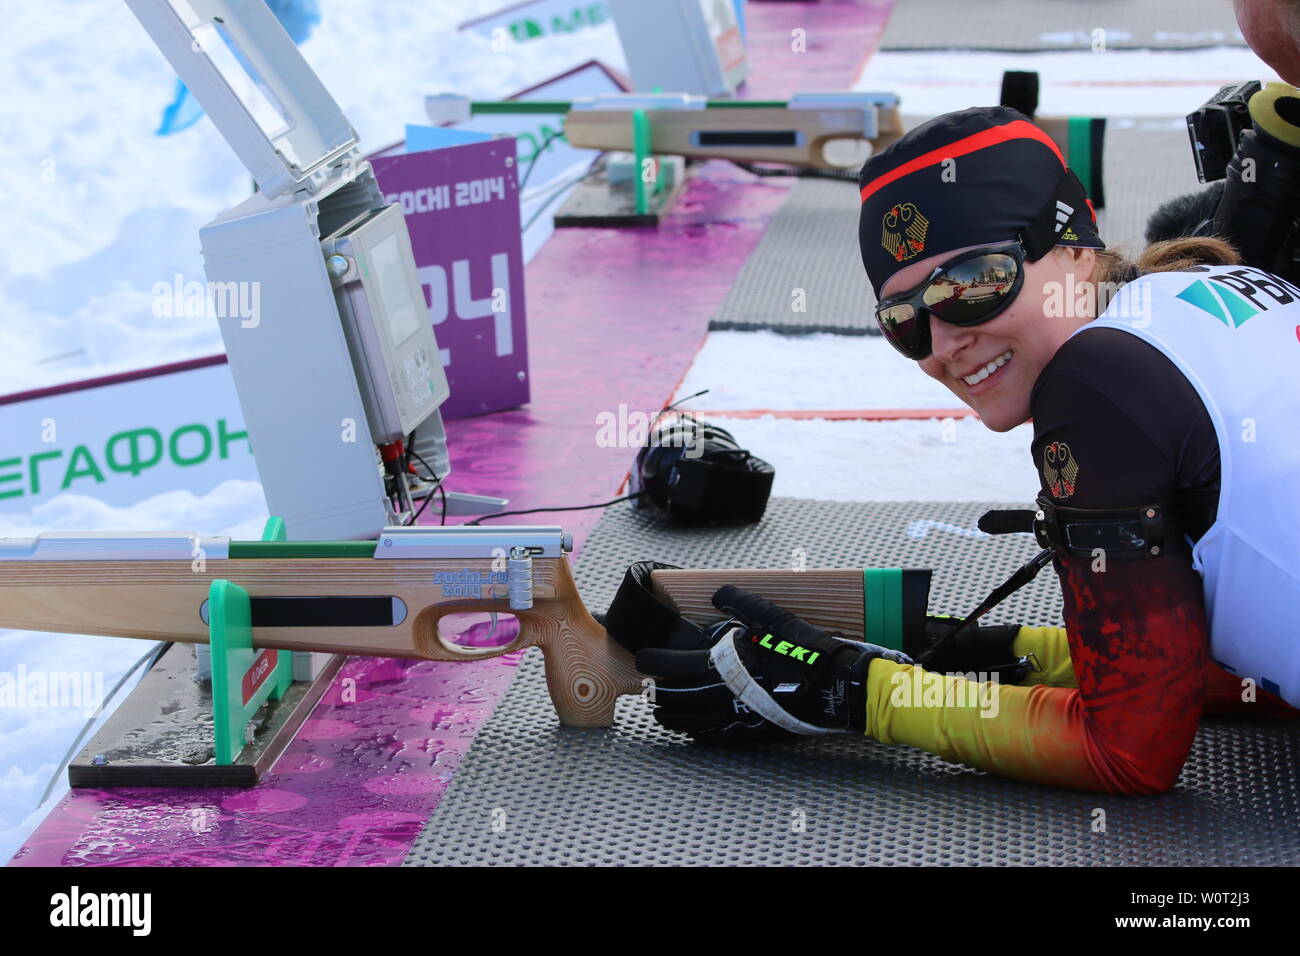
<point>811,245</point>
<point>1023,26</point>
<point>532,792</point>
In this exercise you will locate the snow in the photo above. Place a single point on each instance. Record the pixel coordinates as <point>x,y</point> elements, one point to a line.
<point>928,460</point>
<point>936,459</point>
<point>818,371</point>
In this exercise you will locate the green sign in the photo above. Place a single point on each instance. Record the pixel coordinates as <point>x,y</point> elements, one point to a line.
<point>577,17</point>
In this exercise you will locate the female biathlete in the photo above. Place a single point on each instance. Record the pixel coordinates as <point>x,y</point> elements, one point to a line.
<point>1167,438</point>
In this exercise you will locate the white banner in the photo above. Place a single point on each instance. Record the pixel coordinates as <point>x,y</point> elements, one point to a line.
<point>125,441</point>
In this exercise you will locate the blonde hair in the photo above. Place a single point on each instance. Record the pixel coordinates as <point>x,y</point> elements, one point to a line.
<point>1114,268</point>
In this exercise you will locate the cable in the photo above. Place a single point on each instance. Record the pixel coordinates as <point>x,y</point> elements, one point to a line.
<point>799,172</point>
<point>603,504</point>
<point>554,196</point>
<point>538,155</point>
<point>423,504</point>
<point>529,511</point>
<point>560,183</point>
<point>669,408</point>
<point>437,486</point>
<point>433,476</point>
<point>154,652</point>
<point>526,511</point>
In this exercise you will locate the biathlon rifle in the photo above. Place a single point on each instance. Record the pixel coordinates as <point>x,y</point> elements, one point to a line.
<point>809,129</point>
<point>396,596</point>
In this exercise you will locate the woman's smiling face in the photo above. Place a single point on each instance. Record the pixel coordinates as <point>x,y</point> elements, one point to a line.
<point>992,367</point>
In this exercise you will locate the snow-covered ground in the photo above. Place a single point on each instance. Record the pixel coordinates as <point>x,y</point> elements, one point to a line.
<point>819,371</point>
<point>99,209</point>
<point>934,460</point>
<point>938,459</point>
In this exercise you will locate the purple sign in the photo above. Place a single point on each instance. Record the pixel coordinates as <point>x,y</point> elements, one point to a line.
<point>462,211</point>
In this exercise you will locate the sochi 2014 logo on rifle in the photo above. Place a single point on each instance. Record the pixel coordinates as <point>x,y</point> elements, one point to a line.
<point>1060,470</point>
<point>903,231</point>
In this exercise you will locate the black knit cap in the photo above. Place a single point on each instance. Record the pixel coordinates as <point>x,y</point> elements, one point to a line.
<point>980,176</point>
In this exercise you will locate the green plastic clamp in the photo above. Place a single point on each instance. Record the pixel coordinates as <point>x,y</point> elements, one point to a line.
<point>882,607</point>
<point>243,678</point>
<point>641,150</point>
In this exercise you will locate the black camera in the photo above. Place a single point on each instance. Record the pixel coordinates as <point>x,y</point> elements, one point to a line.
<point>1247,136</point>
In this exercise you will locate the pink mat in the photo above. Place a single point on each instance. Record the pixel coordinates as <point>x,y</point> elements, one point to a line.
<point>838,38</point>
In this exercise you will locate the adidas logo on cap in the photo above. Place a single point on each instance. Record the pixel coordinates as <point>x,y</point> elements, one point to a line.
<point>1063,214</point>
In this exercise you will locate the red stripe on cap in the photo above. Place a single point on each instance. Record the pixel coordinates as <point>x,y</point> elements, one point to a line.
<point>1016,129</point>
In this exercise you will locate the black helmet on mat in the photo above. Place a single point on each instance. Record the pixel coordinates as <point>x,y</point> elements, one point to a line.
<point>698,473</point>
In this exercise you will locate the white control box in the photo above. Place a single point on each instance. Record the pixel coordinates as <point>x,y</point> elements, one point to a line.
<point>341,357</point>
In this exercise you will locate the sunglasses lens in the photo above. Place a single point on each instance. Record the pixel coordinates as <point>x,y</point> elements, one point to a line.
<point>966,293</point>
<point>903,328</point>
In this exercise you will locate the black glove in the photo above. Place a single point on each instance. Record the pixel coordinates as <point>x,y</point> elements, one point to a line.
<point>981,649</point>
<point>801,678</point>
<point>690,697</point>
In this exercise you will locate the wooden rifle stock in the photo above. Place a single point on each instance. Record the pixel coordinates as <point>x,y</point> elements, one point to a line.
<point>354,603</point>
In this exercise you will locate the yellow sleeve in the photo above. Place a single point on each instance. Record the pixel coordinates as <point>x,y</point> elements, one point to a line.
<point>1050,648</point>
<point>1029,733</point>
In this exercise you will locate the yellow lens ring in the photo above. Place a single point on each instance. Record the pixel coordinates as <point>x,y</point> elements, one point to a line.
<point>1276,110</point>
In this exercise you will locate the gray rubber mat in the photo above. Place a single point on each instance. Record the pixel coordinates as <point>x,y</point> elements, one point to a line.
<point>1022,26</point>
<point>531,792</point>
<point>806,273</point>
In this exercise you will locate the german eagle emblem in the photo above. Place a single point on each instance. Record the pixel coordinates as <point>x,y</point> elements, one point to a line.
<point>1060,470</point>
<point>903,232</point>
